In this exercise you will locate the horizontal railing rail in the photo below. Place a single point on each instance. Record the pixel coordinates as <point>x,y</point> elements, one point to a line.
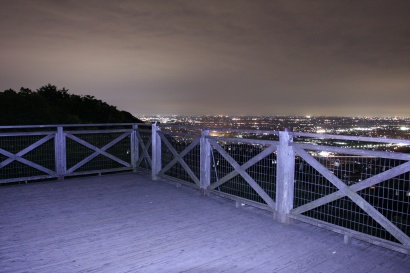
<point>351,138</point>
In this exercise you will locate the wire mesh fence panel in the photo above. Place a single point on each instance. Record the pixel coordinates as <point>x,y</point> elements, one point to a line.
<point>143,149</point>
<point>309,183</point>
<point>263,172</point>
<point>390,197</point>
<point>76,152</point>
<point>94,160</point>
<point>192,158</point>
<point>122,149</point>
<point>26,153</point>
<point>98,163</point>
<point>36,151</point>
<point>354,142</point>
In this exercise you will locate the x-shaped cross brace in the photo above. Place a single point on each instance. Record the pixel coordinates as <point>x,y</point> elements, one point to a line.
<point>351,192</point>
<point>144,150</point>
<point>179,157</point>
<point>241,170</point>
<point>18,156</point>
<point>97,151</point>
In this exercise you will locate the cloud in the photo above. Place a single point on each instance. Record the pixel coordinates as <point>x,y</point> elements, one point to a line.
<point>185,57</point>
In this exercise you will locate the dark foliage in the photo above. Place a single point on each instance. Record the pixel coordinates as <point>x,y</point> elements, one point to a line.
<point>49,105</point>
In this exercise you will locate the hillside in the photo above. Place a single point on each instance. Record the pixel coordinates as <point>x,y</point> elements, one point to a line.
<point>49,105</point>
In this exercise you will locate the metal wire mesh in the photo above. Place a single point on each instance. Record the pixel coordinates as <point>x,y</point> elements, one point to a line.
<point>146,138</point>
<point>391,198</point>
<point>192,158</point>
<point>263,172</point>
<point>42,155</point>
<point>372,144</point>
<point>76,152</point>
<point>29,154</point>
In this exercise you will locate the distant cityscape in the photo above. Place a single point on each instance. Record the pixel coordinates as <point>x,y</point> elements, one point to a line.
<point>387,127</point>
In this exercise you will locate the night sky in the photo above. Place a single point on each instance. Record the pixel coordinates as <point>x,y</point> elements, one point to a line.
<point>345,58</point>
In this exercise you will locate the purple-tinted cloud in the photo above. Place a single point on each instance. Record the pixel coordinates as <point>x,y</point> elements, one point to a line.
<point>214,57</point>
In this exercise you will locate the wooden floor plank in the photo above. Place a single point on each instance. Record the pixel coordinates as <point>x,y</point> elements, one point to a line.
<point>128,223</point>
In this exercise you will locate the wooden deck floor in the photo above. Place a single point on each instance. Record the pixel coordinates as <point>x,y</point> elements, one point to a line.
<point>128,223</point>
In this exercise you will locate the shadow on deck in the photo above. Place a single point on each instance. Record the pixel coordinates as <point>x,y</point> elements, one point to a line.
<point>128,223</point>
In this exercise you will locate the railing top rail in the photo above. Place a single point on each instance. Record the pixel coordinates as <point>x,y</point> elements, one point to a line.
<point>251,131</point>
<point>354,138</point>
<point>180,134</point>
<point>244,140</point>
<point>99,131</point>
<point>233,130</point>
<point>37,133</point>
<point>71,125</point>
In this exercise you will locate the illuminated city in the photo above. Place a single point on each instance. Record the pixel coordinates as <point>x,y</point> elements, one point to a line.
<point>388,127</point>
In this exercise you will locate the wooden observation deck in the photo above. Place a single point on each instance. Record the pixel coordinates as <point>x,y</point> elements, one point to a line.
<point>128,223</point>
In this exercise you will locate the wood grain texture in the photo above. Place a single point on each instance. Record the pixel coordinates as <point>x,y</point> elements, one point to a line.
<point>128,223</point>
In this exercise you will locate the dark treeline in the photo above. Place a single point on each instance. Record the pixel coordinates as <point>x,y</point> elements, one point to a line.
<point>49,105</point>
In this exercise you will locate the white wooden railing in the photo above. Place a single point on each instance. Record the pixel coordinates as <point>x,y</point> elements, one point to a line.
<point>379,224</point>
<point>360,193</point>
<point>46,152</point>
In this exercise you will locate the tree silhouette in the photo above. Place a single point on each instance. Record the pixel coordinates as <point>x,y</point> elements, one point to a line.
<point>50,105</point>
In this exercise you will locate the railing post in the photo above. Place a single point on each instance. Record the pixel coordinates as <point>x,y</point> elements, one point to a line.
<point>156,152</point>
<point>205,157</point>
<point>285,177</point>
<point>134,148</point>
<point>60,153</point>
